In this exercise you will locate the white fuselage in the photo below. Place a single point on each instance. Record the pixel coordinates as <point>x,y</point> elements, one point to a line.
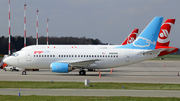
<point>107,56</point>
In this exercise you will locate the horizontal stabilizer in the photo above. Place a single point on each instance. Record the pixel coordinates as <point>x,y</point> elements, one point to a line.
<point>154,51</point>
<point>160,50</point>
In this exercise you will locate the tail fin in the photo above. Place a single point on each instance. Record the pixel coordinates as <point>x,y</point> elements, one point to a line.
<point>148,38</point>
<point>164,34</point>
<point>164,37</point>
<point>132,36</point>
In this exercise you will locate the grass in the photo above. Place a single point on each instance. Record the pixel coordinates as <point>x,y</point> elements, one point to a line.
<point>93,85</point>
<point>82,98</point>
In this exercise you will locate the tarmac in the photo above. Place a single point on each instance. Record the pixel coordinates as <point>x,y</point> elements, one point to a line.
<point>90,92</point>
<point>143,72</point>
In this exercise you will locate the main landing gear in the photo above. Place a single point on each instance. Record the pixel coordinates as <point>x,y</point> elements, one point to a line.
<point>82,72</point>
<point>23,72</point>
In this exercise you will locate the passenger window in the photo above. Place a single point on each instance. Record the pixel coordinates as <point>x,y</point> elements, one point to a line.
<point>66,55</point>
<point>72,55</point>
<point>100,55</point>
<point>61,55</point>
<point>84,55</point>
<point>34,55</point>
<point>50,55</point>
<point>97,55</point>
<point>44,55</point>
<point>53,55</point>
<point>105,55</point>
<point>117,56</point>
<point>39,55</point>
<point>69,55</point>
<point>89,55</point>
<point>81,55</point>
<point>108,55</point>
<point>92,55</point>
<point>47,55</point>
<point>78,55</point>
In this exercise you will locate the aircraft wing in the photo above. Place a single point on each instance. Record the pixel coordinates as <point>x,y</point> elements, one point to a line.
<point>81,63</point>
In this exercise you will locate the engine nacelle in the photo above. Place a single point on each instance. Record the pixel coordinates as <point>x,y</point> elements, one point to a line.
<point>60,67</point>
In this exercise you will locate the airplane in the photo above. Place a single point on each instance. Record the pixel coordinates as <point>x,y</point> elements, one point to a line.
<point>164,37</point>
<point>131,37</point>
<point>63,60</point>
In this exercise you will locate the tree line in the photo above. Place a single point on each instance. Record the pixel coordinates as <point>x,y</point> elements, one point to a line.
<point>17,42</point>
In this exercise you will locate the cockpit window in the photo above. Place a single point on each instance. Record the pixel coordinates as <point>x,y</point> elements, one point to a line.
<point>15,54</point>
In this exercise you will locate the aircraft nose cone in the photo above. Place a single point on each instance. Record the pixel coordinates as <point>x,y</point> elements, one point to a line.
<point>6,60</point>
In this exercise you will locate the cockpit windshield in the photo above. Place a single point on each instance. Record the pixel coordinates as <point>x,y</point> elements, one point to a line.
<point>15,54</point>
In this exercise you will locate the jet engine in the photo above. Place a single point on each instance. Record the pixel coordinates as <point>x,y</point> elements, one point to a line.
<point>60,67</point>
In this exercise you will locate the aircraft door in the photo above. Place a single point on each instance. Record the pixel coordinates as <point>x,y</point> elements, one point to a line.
<point>127,57</point>
<point>28,56</point>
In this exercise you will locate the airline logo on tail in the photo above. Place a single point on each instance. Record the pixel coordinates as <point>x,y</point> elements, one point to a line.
<point>132,36</point>
<point>148,37</point>
<point>130,40</point>
<point>164,39</point>
<point>143,42</point>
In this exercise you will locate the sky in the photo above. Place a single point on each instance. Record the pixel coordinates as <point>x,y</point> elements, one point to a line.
<point>110,21</point>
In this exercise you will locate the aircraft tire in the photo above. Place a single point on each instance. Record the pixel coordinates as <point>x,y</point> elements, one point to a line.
<point>82,72</point>
<point>24,73</point>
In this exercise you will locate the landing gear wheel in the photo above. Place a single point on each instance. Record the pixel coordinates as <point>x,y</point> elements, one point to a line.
<point>82,72</point>
<point>23,72</point>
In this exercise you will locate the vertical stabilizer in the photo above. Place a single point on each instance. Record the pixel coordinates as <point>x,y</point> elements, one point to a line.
<point>148,37</point>
<point>132,36</point>
<point>164,34</point>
